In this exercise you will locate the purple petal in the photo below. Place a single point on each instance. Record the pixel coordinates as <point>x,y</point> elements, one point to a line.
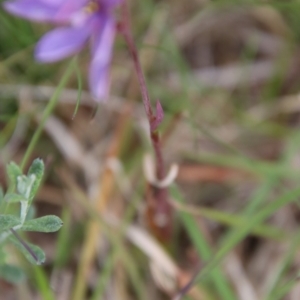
<point>31,9</point>
<point>53,2</point>
<point>75,4</point>
<point>102,51</point>
<point>68,8</point>
<point>44,10</point>
<point>60,43</point>
<point>99,81</point>
<point>110,3</point>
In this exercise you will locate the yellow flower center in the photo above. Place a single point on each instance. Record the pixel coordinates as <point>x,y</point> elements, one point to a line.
<point>92,7</point>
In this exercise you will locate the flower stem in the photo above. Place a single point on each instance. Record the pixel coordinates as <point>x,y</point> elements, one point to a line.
<point>125,30</point>
<point>160,196</point>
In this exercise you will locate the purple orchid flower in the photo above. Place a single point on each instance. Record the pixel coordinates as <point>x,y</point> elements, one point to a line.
<point>81,21</point>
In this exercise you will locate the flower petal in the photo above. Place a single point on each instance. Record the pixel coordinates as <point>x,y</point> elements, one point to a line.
<point>53,2</point>
<point>30,9</point>
<point>70,3</point>
<point>110,3</point>
<point>60,43</point>
<point>102,51</point>
<point>99,81</point>
<point>67,8</point>
<point>44,10</point>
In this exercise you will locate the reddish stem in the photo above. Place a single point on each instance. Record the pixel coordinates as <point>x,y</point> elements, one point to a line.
<point>159,207</point>
<point>160,169</point>
<point>125,30</point>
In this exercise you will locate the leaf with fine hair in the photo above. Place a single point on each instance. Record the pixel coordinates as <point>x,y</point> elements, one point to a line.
<point>33,253</point>
<point>13,171</point>
<point>44,224</point>
<point>8,221</point>
<point>36,169</point>
<point>13,198</point>
<point>24,185</point>
<point>31,213</point>
<point>12,274</point>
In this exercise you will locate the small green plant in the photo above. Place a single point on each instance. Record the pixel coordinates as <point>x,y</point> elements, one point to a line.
<point>22,190</point>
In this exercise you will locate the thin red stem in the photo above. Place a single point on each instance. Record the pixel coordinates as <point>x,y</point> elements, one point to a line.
<point>159,210</point>
<point>160,169</point>
<point>125,30</point>
<point>134,53</point>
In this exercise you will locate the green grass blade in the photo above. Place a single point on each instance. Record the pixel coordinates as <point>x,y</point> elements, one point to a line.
<point>79,81</point>
<point>47,112</point>
<point>236,236</point>
<point>286,261</point>
<point>42,283</point>
<point>204,250</point>
<point>232,220</point>
<point>104,277</point>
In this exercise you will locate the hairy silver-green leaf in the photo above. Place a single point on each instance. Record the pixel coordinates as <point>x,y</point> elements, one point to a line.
<point>8,221</point>
<point>12,274</point>
<point>44,224</point>
<point>36,169</point>
<point>35,255</point>
<point>31,213</point>
<point>13,198</point>
<point>13,171</point>
<point>25,184</point>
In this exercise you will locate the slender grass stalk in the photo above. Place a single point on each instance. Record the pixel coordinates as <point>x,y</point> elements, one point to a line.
<point>285,288</point>
<point>114,237</point>
<point>62,245</point>
<point>261,169</point>
<point>47,112</point>
<point>274,288</point>
<point>42,283</point>
<point>204,249</point>
<point>233,220</point>
<point>104,276</point>
<point>79,81</point>
<point>236,236</point>
<point>260,195</point>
